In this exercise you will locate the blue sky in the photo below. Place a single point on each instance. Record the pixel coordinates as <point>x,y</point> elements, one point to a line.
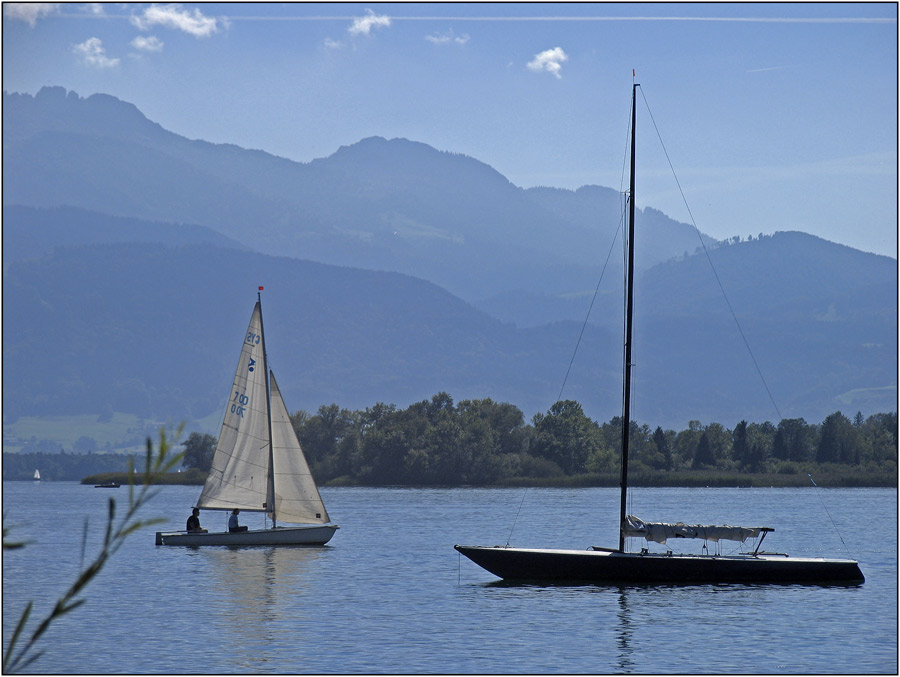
<point>775,116</point>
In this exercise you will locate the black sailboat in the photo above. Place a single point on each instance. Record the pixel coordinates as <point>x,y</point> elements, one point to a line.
<point>616,565</point>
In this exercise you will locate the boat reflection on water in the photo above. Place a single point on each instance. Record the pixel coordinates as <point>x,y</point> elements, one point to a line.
<point>261,589</point>
<point>624,633</point>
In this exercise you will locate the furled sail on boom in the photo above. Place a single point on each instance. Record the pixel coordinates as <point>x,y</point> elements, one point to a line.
<point>659,532</point>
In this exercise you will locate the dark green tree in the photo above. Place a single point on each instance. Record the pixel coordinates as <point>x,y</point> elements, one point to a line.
<point>663,447</point>
<point>704,458</point>
<point>794,440</point>
<point>838,441</point>
<point>880,435</point>
<point>720,445</point>
<point>494,436</point>
<point>740,447</point>
<point>321,434</point>
<point>198,451</point>
<point>686,443</point>
<point>565,436</point>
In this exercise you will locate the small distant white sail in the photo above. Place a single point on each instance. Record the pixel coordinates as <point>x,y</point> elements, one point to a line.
<point>37,475</point>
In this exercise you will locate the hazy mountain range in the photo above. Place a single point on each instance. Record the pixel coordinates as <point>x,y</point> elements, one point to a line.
<point>394,271</point>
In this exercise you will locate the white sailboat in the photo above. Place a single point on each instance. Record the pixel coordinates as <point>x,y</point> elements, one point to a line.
<point>258,465</point>
<point>37,475</point>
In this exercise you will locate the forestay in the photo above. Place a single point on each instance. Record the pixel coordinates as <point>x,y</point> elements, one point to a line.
<point>659,532</point>
<point>238,476</point>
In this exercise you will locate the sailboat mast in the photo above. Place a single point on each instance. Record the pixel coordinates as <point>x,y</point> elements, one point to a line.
<point>270,475</point>
<point>629,307</point>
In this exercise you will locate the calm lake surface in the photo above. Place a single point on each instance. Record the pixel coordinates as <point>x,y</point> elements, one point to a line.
<point>390,595</point>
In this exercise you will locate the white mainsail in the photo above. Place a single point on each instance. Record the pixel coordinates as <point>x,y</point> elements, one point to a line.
<point>37,474</point>
<point>296,495</point>
<point>238,477</point>
<point>659,532</point>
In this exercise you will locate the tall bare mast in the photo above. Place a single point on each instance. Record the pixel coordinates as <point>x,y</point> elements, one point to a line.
<point>270,475</point>
<point>629,306</point>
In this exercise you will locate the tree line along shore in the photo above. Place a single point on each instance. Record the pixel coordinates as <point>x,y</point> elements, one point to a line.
<point>438,442</point>
<point>486,443</point>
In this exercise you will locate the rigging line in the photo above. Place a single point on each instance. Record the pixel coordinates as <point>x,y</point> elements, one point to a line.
<point>828,513</point>
<point>709,259</point>
<point>590,308</point>
<point>517,517</point>
<point>605,264</point>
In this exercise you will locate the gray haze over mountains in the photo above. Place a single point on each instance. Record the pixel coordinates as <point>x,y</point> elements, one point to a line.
<point>394,271</point>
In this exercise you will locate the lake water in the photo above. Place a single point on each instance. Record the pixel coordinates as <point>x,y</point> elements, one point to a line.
<point>390,595</point>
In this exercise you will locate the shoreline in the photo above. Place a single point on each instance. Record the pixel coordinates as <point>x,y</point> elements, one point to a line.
<point>681,479</point>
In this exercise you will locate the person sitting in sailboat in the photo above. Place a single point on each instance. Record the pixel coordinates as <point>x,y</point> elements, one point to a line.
<point>193,522</point>
<point>233,522</point>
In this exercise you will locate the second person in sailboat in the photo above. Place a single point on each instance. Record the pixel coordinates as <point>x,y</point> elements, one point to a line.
<point>233,522</point>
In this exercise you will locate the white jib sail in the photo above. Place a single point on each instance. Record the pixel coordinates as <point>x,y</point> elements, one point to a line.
<point>297,498</point>
<point>237,478</point>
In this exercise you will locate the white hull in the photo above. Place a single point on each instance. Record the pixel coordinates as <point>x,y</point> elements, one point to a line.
<point>312,534</point>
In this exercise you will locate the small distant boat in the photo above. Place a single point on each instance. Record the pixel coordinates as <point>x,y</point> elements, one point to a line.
<point>619,566</point>
<point>107,485</point>
<point>37,476</point>
<point>258,465</point>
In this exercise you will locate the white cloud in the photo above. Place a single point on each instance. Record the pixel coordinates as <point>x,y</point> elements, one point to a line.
<point>549,60</point>
<point>364,25</point>
<point>94,54</point>
<point>149,44</point>
<point>333,44</point>
<point>175,16</point>
<point>29,12</point>
<point>447,38</point>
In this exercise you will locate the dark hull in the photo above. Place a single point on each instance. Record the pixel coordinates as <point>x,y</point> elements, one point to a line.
<point>601,566</point>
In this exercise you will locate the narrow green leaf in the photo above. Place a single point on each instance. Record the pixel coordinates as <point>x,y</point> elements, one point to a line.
<point>20,626</point>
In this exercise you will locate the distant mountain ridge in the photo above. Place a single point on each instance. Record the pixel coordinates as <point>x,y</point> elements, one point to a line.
<point>394,271</point>
<point>378,204</point>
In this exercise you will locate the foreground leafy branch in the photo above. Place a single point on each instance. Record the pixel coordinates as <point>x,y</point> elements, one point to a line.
<point>140,490</point>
